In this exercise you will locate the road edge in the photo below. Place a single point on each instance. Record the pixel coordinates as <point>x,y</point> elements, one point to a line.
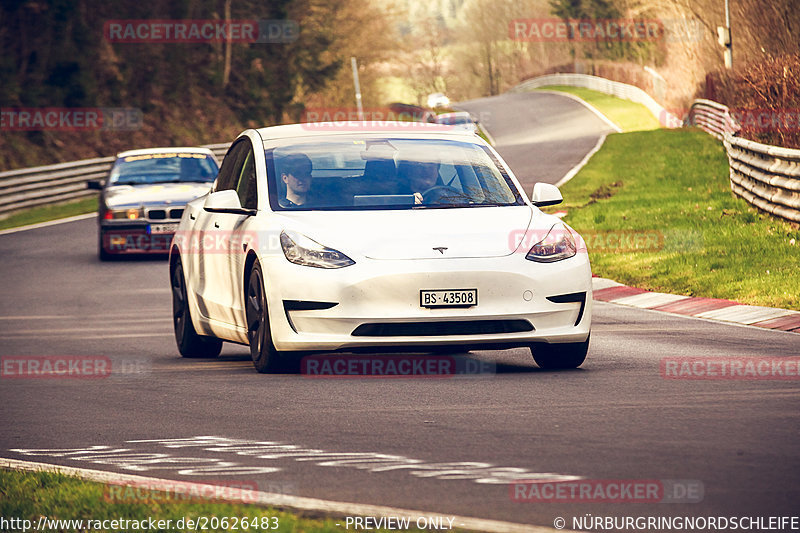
<point>48,223</point>
<point>282,501</point>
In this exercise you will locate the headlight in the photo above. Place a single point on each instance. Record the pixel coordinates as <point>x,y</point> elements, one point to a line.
<point>558,244</point>
<point>301,250</point>
<point>132,213</point>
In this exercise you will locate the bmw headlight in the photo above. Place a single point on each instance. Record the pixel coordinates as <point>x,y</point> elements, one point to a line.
<point>558,244</point>
<point>301,250</point>
<point>133,213</point>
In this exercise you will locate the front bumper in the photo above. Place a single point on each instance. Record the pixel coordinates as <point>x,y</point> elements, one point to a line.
<point>377,303</point>
<point>136,237</point>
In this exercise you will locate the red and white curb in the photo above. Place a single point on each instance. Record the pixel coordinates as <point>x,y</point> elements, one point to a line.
<point>606,290</point>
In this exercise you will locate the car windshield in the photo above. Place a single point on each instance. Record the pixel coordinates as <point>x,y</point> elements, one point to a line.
<point>355,173</point>
<point>175,167</point>
<point>455,119</point>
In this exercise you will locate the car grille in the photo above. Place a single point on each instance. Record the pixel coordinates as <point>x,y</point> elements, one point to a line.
<point>164,214</point>
<point>431,329</point>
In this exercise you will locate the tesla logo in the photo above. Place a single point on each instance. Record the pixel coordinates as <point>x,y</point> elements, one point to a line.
<point>440,249</point>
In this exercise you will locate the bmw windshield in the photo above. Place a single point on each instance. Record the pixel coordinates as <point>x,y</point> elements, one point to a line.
<point>175,167</point>
<point>355,173</point>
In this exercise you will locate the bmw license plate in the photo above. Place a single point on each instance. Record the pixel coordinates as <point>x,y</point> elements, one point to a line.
<point>163,228</point>
<point>448,297</point>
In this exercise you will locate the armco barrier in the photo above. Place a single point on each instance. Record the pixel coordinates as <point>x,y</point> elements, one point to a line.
<point>603,85</point>
<point>766,176</point>
<point>711,117</point>
<point>30,187</point>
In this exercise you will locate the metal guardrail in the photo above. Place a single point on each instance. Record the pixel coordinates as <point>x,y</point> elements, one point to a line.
<point>768,177</point>
<point>31,187</point>
<point>712,117</point>
<point>603,85</point>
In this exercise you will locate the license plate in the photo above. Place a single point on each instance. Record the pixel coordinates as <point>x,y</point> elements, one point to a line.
<point>448,297</point>
<point>163,228</point>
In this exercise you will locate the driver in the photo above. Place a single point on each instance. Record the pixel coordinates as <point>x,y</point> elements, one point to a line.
<point>423,176</point>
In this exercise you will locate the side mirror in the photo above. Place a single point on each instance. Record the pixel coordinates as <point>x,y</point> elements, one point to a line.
<point>546,194</point>
<point>96,185</point>
<point>226,202</point>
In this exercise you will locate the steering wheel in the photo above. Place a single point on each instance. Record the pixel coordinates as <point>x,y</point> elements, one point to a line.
<point>437,192</point>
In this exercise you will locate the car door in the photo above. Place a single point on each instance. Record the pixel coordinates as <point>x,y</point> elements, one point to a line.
<point>241,233</point>
<point>214,232</point>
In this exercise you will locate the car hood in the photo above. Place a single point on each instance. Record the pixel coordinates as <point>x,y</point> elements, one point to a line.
<point>418,234</point>
<point>154,194</point>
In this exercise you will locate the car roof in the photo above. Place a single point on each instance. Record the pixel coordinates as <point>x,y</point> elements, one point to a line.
<point>167,150</point>
<point>327,129</point>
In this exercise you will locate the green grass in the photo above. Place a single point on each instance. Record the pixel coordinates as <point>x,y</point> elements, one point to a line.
<point>27,495</point>
<point>629,116</point>
<point>49,212</point>
<point>675,182</point>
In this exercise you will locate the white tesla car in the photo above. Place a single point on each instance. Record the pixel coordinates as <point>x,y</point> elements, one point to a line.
<point>329,237</point>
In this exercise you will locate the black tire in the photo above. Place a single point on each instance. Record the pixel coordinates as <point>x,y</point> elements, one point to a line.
<point>266,359</point>
<point>190,344</point>
<point>101,252</point>
<point>560,356</point>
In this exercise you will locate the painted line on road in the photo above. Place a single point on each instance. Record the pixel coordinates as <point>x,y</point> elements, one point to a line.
<point>280,501</point>
<point>574,170</point>
<point>49,223</point>
<point>589,106</point>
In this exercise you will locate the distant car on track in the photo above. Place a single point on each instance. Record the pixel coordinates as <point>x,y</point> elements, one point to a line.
<point>459,119</point>
<point>143,197</point>
<point>404,235</point>
<point>438,100</point>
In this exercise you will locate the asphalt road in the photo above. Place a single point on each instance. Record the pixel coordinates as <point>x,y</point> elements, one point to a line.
<point>616,418</point>
<point>540,135</point>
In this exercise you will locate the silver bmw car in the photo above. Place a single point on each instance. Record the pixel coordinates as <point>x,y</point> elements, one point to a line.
<point>143,197</point>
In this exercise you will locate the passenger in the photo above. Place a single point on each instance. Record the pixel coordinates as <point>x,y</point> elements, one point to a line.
<point>296,176</point>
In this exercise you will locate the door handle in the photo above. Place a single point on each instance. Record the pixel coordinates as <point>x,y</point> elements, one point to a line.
<point>191,215</point>
<point>216,224</point>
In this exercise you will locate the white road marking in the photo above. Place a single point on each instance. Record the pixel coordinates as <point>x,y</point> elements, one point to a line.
<point>282,501</point>
<point>745,314</point>
<point>87,337</point>
<point>604,283</point>
<point>48,223</point>
<point>588,106</point>
<point>574,170</point>
<point>649,299</point>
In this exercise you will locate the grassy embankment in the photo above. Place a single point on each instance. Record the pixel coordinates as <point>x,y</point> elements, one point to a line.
<point>28,496</point>
<point>675,183</point>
